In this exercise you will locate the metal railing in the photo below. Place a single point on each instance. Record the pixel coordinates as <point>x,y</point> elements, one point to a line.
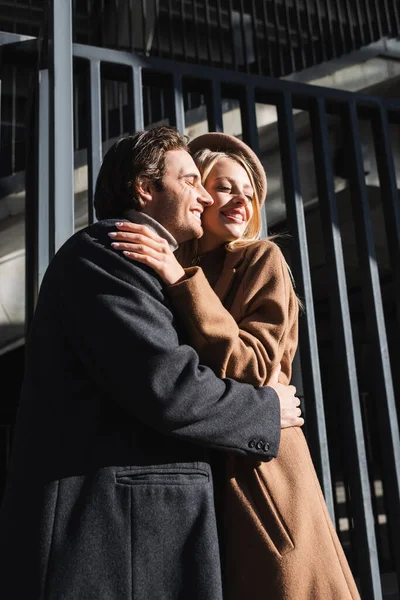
<point>347,460</point>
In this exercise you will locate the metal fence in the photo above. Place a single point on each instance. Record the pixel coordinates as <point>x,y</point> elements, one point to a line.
<point>264,37</point>
<point>355,450</point>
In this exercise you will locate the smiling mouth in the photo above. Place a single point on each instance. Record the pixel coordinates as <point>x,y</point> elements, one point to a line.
<point>235,217</point>
<point>197,214</point>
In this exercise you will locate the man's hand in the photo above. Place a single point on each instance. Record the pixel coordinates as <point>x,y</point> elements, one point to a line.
<point>290,404</point>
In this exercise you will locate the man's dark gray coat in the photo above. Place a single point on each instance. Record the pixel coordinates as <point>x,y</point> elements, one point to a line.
<point>110,492</point>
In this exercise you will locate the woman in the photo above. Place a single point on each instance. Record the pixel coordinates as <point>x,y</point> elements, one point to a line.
<point>240,310</point>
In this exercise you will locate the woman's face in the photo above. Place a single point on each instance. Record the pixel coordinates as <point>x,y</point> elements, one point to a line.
<point>226,220</point>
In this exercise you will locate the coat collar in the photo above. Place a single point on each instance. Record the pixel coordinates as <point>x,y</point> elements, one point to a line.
<point>142,219</point>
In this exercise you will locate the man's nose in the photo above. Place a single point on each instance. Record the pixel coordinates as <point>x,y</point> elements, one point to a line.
<point>204,197</point>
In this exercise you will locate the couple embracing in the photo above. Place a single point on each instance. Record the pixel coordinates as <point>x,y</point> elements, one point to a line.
<point>158,451</point>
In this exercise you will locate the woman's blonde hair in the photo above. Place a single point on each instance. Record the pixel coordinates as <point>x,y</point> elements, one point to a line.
<point>205,160</point>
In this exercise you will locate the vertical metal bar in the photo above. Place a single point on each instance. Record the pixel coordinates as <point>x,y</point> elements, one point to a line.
<point>310,33</point>
<point>386,14</point>
<point>130,25</point>
<point>144,27</point>
<point>303,61</point>
<point>250,135</point>
<point>347,375</point>
<point>31,205</point>
<point>289,38</point>
<point>320,30</point>
<point>396,9</point>
<point>308,334</point>
<point>389,193</point>
<point>349,27</point>
<point>378,18</point>
<point>340,18</point>
<point>360,23</point>
<point>106,110</point>
<point>367,12</point>
<point>157,21</point>
<point>220,33</point>
<point>233,49</point>
<point>332,36</point>
<point>170,32</point>
<point>13,115</point>
<point>214,112</point>
<point>117,36</point>
<point>390,438</point>
<point>61,125</point>
<point>178,106</point>
<point>184,42</point>
<point>267,44</point>
<point>208,32</point>
<point>255,37</point>
<point>135,100</point>
<point>95,151</point>
<point>89,21</point>
<point>43,247</point>
<point>196,33</point>
<point>120,105</point>
<point>243,32</point>
<point>281,61</point>
<point>75,92</point>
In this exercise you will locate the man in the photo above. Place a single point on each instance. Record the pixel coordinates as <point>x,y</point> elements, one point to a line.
<point>110,491</point>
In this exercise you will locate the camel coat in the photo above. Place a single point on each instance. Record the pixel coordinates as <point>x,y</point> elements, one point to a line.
<point>279,541</point>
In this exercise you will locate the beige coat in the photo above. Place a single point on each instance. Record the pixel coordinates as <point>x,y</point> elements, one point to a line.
<point>280,543</point>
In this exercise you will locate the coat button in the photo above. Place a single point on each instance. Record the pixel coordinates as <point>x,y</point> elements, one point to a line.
<point>266,447</point>
<point>252,444</point>
<point>260,445</point>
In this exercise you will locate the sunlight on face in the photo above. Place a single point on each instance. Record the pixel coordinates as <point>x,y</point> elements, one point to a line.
<point>226,220</point>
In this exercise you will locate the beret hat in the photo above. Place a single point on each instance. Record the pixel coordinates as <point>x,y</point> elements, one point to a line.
<point>222,142</point>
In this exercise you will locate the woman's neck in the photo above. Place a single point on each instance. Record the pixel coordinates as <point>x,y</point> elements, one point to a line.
<point>206,244</point>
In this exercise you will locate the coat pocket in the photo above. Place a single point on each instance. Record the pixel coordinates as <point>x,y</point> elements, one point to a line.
<point>254,507</point>
<point>162,475</point>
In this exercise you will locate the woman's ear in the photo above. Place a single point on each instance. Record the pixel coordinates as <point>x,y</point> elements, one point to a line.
<point>144,190</point>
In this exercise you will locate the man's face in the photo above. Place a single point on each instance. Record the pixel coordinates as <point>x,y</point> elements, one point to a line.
<point>178,206</point>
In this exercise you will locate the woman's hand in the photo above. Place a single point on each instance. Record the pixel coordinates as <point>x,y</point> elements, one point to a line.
<point>142,244</point>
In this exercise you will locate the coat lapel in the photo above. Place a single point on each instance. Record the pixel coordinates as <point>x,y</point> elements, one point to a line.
<point>226,278</point>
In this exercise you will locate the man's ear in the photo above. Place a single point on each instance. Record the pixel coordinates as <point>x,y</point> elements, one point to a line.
<point>144,190</point>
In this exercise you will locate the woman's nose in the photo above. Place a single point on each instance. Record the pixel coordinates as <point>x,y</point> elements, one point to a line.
<point>240,199</point>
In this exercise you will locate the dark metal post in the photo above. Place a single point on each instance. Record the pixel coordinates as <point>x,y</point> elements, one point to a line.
<point>135,99</point>
<point>95,152</point>
<point>250,136</point>
<point>178,107</point>
<point>61,125</point>
<point>389,193</point>
<point>214,111</point>
<point>43,176</point>
<point>387,413</point>
<point>359,483</point>
<point>308,335</point>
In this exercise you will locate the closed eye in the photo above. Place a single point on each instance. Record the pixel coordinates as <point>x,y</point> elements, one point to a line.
<point>224,188</point>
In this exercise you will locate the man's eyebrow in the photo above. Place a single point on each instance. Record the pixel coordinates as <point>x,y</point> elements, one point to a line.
<point>195,175</point>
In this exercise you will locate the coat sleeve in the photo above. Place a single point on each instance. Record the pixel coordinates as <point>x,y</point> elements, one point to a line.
<point>267,331</point>
<point>121,324</point>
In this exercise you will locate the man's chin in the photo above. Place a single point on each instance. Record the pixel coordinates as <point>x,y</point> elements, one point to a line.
<point>190,234</point>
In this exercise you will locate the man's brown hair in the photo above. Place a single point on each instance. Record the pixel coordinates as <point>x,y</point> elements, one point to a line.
<point>129,161</point>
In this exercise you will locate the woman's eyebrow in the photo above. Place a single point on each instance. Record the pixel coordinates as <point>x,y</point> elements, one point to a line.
<point>231,180</point>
